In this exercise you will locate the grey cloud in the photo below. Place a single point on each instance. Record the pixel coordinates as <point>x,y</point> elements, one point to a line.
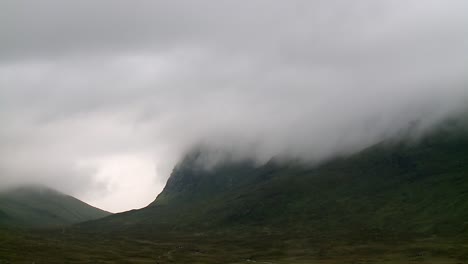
<point>83,81</point>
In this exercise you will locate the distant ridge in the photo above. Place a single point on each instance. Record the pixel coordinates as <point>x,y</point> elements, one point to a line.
<point>41,207</point>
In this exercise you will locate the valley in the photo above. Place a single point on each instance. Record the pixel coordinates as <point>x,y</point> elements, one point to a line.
<point>395,202</point>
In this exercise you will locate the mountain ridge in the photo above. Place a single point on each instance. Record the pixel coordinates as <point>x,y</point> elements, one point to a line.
<point>392,189</point>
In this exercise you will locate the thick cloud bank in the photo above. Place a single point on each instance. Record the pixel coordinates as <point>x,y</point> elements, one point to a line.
<point>100,98</point>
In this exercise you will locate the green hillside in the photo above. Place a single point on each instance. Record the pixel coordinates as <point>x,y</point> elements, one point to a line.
<point>394,190</point>
<point>395,202</point>
<point>39,207</point>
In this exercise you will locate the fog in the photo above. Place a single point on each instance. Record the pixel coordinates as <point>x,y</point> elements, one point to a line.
<point>100,99</point>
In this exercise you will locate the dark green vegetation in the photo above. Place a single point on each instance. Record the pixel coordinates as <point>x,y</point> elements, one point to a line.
<point>395,202</point>
<point>39,207</point>
<point>70,247</point>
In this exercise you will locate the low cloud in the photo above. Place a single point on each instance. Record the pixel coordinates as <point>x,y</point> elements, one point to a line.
<point>105,88</point>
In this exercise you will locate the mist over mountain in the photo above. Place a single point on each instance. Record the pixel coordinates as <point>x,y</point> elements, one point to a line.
<point>101,100</point>
<point>396,190</point>
<point>400,200</point>
<point>221,131</point>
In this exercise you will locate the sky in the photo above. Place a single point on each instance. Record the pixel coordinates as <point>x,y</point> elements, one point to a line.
<point>100,99</point>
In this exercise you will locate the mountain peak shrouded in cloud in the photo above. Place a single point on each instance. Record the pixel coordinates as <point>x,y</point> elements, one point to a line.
<point>101,99</point>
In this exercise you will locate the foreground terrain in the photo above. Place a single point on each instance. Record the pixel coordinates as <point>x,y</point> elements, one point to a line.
<point>57,247</point>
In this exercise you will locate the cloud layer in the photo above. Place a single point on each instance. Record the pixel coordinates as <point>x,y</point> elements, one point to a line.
<point>100,99</point>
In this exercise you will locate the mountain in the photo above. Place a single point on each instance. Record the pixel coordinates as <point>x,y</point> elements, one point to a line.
<point>394,190</point>
<point>40,207</point>
<point>400,201</point>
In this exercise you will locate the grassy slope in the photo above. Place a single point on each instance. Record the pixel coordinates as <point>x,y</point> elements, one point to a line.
<point>39,207</point>
<point>388,192</point>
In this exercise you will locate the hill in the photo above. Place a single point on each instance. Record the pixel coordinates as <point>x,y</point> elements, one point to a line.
<point>39,207</point>
<point>391,191</point>
<point>395,202</point>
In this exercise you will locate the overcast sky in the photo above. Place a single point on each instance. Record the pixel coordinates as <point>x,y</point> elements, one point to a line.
<point>99,99</point>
